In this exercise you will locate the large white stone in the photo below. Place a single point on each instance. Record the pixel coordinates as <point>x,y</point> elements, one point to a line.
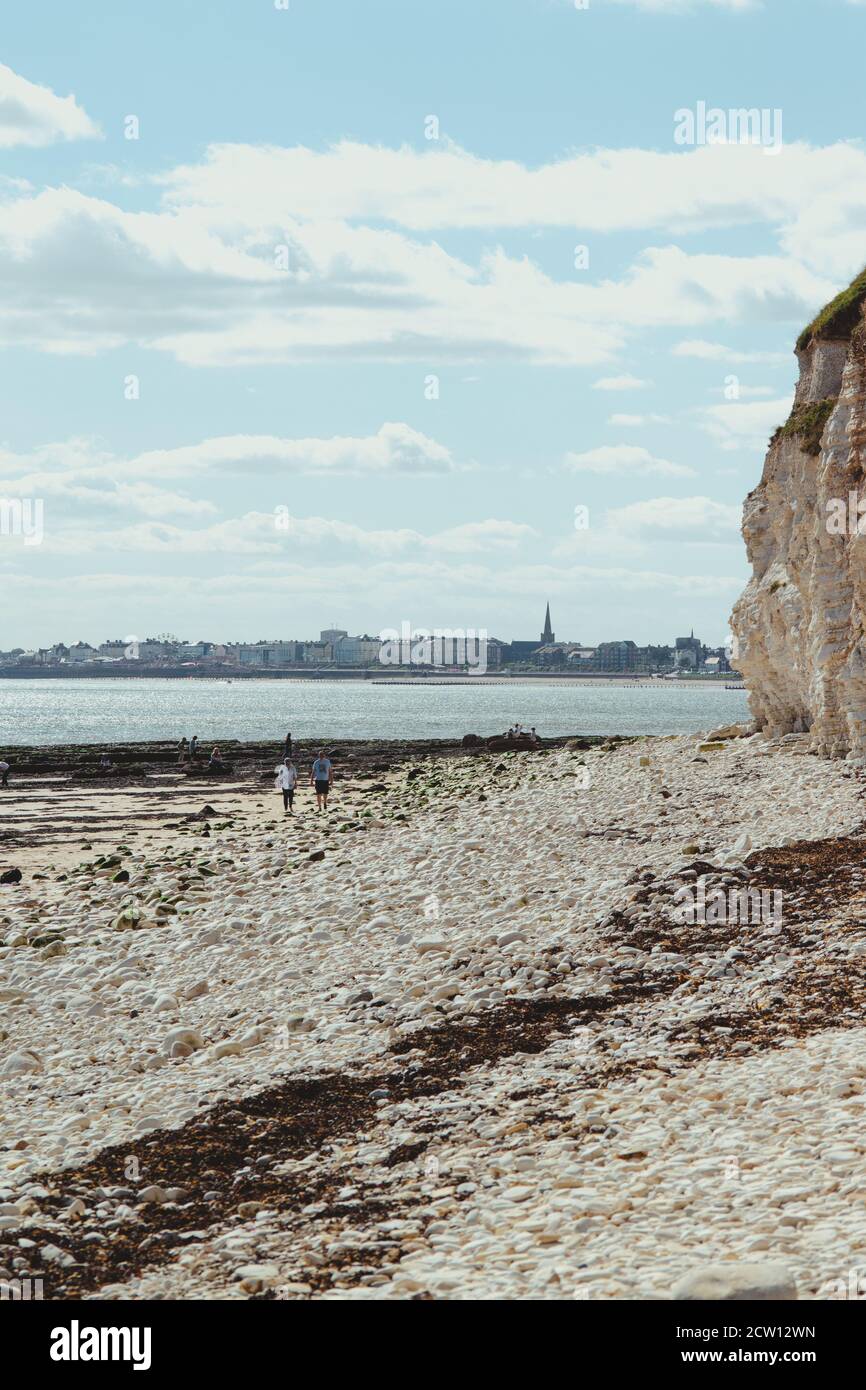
<point>733,1283</point>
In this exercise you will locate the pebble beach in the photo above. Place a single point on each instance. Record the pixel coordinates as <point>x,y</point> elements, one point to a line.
<point>452,1040</point>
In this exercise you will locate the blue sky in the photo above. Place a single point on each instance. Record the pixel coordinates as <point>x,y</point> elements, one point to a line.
<point>317,307</point>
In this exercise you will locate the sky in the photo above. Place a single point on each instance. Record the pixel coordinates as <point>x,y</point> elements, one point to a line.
<point>317,313</point>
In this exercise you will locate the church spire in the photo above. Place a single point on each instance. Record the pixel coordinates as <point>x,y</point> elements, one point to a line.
<point>547,636</point>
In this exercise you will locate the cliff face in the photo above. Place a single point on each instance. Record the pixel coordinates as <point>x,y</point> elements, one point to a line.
<point>799,625</point>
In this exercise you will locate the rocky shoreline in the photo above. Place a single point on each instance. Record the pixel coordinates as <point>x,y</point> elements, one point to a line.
<point>60,796</point>
<point>250,759</point>
<point>454,1040</point>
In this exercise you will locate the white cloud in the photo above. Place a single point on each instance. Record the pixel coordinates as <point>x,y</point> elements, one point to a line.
<point>77,478</point>
<point>637,421</point>
<point>203,279</point>
<point>624,458</point>
<point>737,425</point>
<point>488,535</point>
<point>396,448</point>
<point>815,196</point>
<point>742,391</point>
<point>257,534</point>
<point>466,591</point>
<point>620,383</point>
<point>696,519</point>
<point>446,186</point>
<point>686,6</point>
<point>717,352</point>
<point>271,255</point>
<point>81,275</point>
<point>33,115</point>
<point>479,537</point>
<point>94,494</point>
<point>90,495</point>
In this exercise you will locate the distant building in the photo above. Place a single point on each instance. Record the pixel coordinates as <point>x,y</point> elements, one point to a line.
<point>717,663</point>
<point>628,656</point>
<point>130,649</point>
<point>266,653</point>
<point>521,652</point>
<point>318,653</point>
<point>336,646</point>
<point>215,653</point>
<point>616,656</point>
<point>495,651</point>
<point>82,651</point>
<point>113,651</point>
<point>196,651</point>
<point>356,651</point>
<point>659,658</point>
<point>42,656</point>
<point>153,649</point>
<point>552,654</point>
<point>688,653</point>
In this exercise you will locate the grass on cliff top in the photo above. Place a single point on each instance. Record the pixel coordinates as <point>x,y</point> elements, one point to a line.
<point>807,423</point>
<point>838,318</point>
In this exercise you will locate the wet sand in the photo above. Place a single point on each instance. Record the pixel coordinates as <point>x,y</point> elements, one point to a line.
<point>59,805</point>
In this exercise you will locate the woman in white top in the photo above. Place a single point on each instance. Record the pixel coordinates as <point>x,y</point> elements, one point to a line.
<point>286,780</point>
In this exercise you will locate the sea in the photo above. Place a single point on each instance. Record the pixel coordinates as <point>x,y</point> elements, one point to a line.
<point>122,710</point>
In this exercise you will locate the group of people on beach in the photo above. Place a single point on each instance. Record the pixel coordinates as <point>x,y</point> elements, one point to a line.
<point>286,778</point>
<point>518,731</point>
<point>187,752</point>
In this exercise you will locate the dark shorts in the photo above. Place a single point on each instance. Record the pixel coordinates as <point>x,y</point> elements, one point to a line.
<point>322,788</point>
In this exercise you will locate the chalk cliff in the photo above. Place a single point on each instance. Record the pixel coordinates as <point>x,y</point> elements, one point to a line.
<point>799,625</point>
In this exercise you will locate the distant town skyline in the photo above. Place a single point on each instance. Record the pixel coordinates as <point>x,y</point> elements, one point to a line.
<point>547,635</point>
<point>388,321</point>
<point>406,645</point>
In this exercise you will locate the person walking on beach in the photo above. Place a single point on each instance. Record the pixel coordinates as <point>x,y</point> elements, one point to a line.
<point>321,776</point>
<point>287,746</point>
<point>4,773</point>
<point>193,747</point>
<point>286,780</point>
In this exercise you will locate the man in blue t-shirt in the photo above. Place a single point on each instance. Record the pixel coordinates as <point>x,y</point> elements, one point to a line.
<point>321,776</point>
